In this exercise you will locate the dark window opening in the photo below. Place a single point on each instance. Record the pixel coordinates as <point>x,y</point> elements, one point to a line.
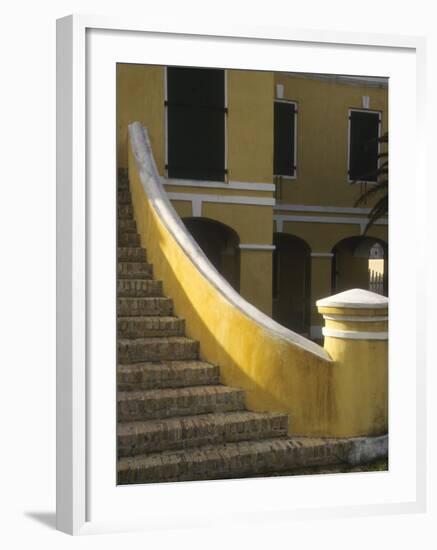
<point>284,145</point>
<point>363,142</point>
<point>196,123</point>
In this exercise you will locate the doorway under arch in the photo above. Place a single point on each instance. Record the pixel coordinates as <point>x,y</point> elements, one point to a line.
<point>220,244</point>
<point>360,262</point>
<point>292,282</point>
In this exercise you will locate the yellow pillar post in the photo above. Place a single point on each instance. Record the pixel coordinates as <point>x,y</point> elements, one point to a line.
<point>256,275</point>
<point>356,337</point>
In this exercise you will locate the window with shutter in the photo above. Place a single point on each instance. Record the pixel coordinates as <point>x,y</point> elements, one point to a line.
<point>284,163</point>
<point>364,131</point>
<point>196,123</point>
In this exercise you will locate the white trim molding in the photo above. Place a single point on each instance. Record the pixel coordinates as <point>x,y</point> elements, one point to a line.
<point>354,334</point>
<point>322,254</point>
<point>257,246</point>
<point>238,185</point>
<point>324,209</point>
<point>356,318</point>
<point>361,222</point>
<point>240,199</point>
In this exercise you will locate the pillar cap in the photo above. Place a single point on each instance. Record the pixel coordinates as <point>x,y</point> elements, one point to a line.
<point>356,298</point>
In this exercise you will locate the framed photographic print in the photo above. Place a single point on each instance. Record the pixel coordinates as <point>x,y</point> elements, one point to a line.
<point>227,253</point>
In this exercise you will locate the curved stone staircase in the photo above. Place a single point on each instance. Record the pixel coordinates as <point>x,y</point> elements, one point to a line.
<point>175,421</point>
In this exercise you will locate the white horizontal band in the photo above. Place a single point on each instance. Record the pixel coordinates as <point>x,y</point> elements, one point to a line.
<point>357,318</point>
<point>257,246</point>
<point>246,186</point>
<point>321,209</point>
<point>322,254</point>
<point>225,199</point>
<point>354,334</point>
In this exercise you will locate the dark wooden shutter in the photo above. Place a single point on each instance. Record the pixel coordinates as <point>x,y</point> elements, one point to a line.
<point>284,146</point>
<point>363,154</point>
<point>196,123</point>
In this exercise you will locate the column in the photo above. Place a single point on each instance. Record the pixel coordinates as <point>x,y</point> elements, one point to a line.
<point>356,338</point>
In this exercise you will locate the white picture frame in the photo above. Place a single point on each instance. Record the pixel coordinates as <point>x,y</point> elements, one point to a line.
<point>85,505</point>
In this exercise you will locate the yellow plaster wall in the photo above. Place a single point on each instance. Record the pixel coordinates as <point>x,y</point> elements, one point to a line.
<point>250,125</point>
<point>253,223</point>
<point>322,138</point>
<point>276,374</point>
<point>322,237</point>
<point>256,278</point>
<point>140,96</point>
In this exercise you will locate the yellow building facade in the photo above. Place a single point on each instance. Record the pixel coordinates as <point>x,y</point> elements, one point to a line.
<point>282,240</point>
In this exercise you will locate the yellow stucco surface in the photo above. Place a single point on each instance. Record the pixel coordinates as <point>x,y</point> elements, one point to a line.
<point>323,107</point>
<point>250,125</point>
<point>276,374</point>
<point>140,96</point>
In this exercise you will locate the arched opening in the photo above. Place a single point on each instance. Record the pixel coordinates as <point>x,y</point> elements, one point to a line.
<point>292,282</point>
<point>360,262</point>
<point>220,245</point>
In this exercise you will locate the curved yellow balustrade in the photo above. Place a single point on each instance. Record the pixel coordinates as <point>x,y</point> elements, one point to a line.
<point>279,370</point>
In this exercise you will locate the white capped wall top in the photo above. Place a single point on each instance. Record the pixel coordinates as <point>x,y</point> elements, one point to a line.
<point>356,298</point>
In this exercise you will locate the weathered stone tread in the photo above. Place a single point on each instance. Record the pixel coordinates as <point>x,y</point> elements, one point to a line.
<point>165,403</point>
<point>176,348</point>
<point>193,431</point>
<point>230,460</point>
<point>139,288</point>
<point>149,326</point>
<point>149,305</point>
<point>169,374</point>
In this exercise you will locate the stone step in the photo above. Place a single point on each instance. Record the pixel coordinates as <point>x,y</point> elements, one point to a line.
<point>229,460</point>
<point>127,226</point>
<point>165,403</point>
<point>125,212</point>
<point>132,307</point>
<point>136,438</point>
<point>149,326</point>
<point>131,254</point>
<point>170,374</point>
<point>124,196</point>
<point>128,238</point>
<point>137,288</point>
<point>134,270</point>
<point>173,348</point>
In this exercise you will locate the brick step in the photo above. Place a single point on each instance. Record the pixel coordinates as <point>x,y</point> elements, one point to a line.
<point>230,460</point>
<point>137,288</point>
<point>127,226</point>
<point>149,326</point>
<point>131,254</point>
<point>128,238</point>
<point>136,438</point>
<point>134,270</point>
<point>170,374</point>
<point>173,348</point>
<point>165,403</point>
<point>144,306</point>
<point>125,211</point>
<point>123,195</point>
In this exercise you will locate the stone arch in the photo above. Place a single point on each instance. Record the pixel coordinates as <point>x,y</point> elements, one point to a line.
<point>292,282</point>
<point>220,243</point>
<point>360,262</point>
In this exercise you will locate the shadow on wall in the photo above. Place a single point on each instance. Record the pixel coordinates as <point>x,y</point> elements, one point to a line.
<point>220,244</point>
